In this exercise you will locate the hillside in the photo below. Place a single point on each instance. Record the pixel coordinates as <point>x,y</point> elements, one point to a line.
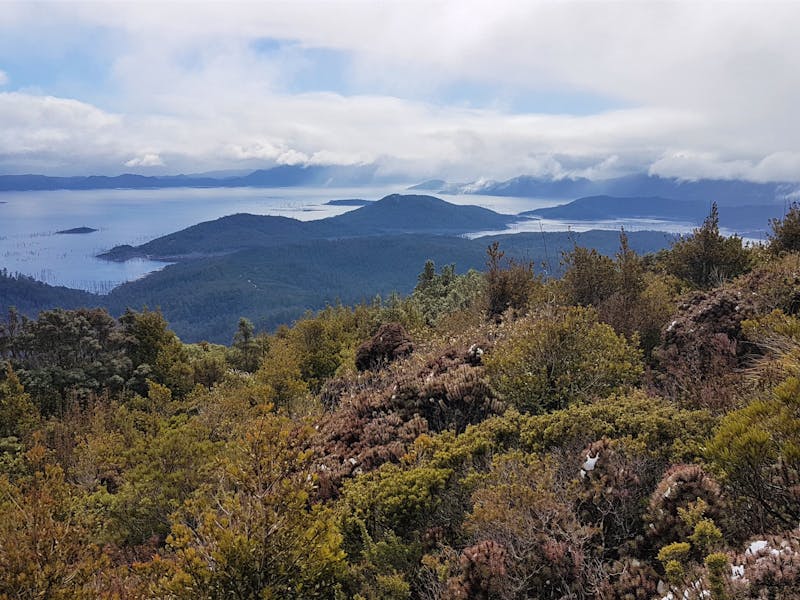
<point>276,282</point>
<point>29,296</point>
<point>417,214</point>
<point>391,215</point>
<point>226,234</point>
<point>203,299</point>
<point>611,207</point>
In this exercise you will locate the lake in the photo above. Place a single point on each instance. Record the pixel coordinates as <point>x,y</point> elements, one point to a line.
<point>29,222</point>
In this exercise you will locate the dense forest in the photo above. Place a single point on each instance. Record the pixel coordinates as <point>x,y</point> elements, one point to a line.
<point>628,430</point>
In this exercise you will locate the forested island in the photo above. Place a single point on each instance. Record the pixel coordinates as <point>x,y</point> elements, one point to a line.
<point>629,429</point>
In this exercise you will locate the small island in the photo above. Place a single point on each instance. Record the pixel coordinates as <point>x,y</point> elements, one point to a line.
<point>76,230</point>
<point>349,202</point>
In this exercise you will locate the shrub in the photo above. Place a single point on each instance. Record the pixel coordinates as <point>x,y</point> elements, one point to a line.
<point>483,573</point>
<point>703,346</point>
<point>707,258</point>
<point>387,345</point>
<point>509,284</point>
<point>757,448</point>
<point>520,508</point>
<point>554,358</point>
<point>681,487</point>
<point>785,236</point>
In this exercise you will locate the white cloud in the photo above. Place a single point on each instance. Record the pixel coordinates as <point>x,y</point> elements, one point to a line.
<point>704,88</point>
<point>3,77</point>
<point>779,166</point>
<point>149,159</point>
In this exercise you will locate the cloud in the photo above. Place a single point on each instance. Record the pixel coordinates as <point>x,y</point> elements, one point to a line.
<point>779,166</point>
<point>3,77</point>
<point>697,89</point>
<point>146,160</point>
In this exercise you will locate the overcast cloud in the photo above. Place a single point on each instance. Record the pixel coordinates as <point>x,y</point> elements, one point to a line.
<point>456,89</point>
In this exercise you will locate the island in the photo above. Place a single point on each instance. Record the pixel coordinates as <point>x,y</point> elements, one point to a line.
<point>349,202</point>
<point>76,230</point>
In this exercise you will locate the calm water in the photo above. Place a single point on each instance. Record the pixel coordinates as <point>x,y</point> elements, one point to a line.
<point>29,221</point>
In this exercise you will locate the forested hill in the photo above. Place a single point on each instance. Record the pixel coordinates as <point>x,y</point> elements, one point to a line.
<point>30,296</point>
<point>417,214</point>
<point>391,215</point>
<point>275,283</point>
<point>222,235</point>
<point>203,299</point>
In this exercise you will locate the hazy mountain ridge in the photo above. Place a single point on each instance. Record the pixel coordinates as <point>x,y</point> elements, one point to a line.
<point>280,176</point>
<point>747,218</point>
<point>725,192</point>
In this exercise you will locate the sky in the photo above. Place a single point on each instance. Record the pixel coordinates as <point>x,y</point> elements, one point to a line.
<point>458,90</point>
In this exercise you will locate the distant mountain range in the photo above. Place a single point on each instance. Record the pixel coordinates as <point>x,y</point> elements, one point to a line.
<point>749,219</point>
<point>703,191</point>
<point>281,176</point>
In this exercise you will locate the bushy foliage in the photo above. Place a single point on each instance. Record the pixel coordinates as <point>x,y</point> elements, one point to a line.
<point>18,415</point>
<point>703,346</point>
<point>378,416</point>
<point>387,345</point>
<point>615,478</point>
<point>627,297</point>
<point>774,284</point>
<point>785,234</point>
<point>681,487</point>
<point>707,258</point>
<point>247,349</point>
<point>504,458</point>
<point>589,277</point>
<point>664,430</point>
<point>483,572</point>
<point>439,294</point>
<point>553,358</point>
<point>510,284</point>
<point>769,567</point>
<point>65,353</point>
<point>757,448</point>
<point>46,545</point>
<point>521,509</point>
<point>256,534</point>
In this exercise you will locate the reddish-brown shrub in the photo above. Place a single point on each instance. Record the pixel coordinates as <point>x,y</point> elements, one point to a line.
<point>681,486</point>
<point>387,345</point>
<point>703,347</point>
<point>483,573</point>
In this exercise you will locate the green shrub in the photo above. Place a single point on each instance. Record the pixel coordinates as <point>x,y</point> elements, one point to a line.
<point>552,359</point>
